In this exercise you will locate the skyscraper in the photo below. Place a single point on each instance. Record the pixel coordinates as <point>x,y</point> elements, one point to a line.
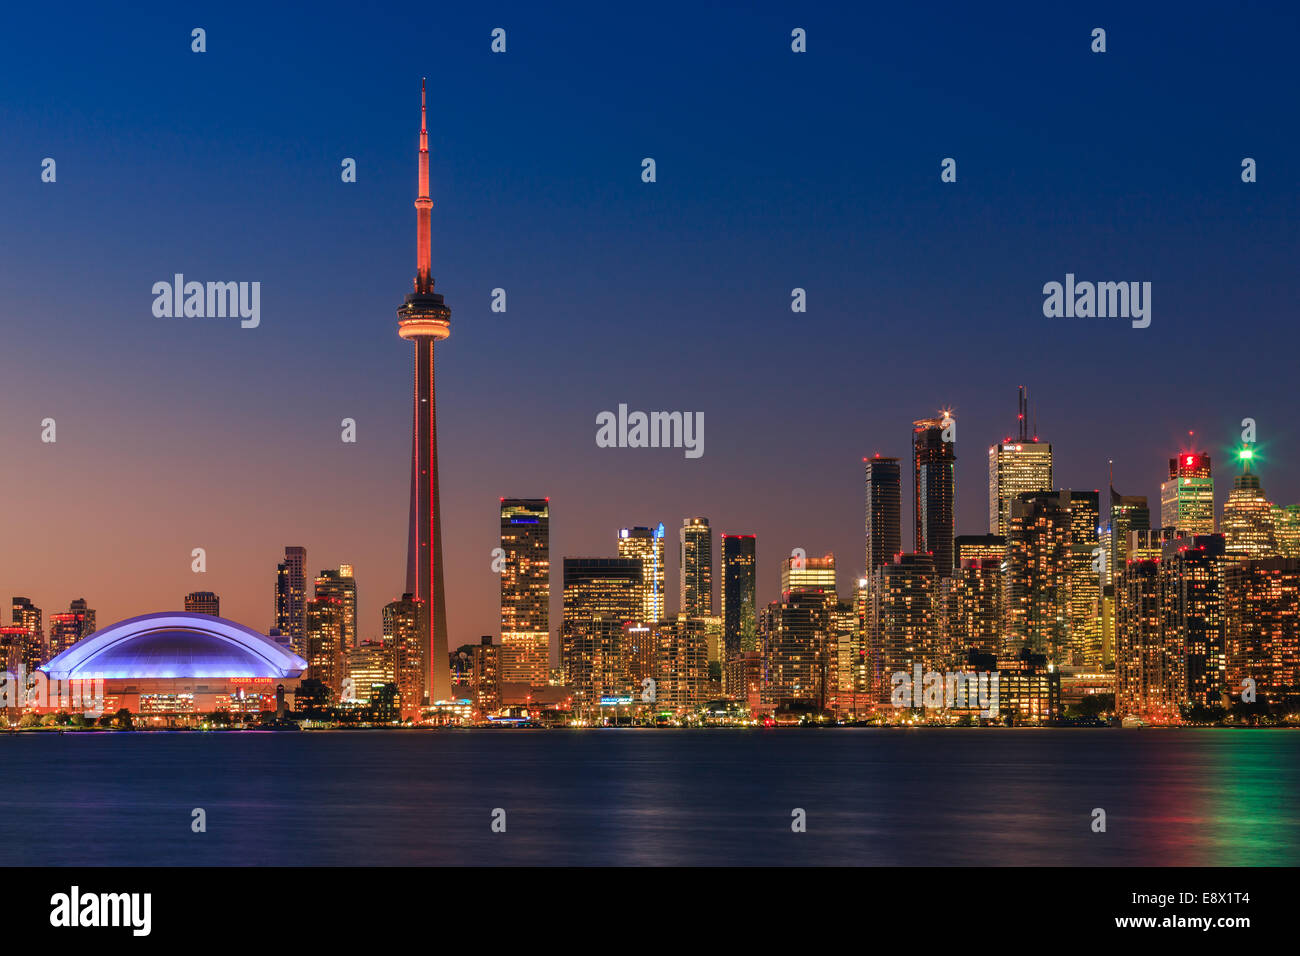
<point>809,574</point>
<point>1083,589</point>
<point>1191,581</point>
<point>1262,628</point>
<point>291,599</point>
<point>696,567</point>
<point>601,595</point>
<point>903,624</point>
<point>1187,498</point>
<point>968,607</point>
<point>933,466</point>
<point>485,675</point>
<point>682,663</point>
<point>1127,513</point>
<point>884,511</point>
<point>647,546</point>
<point>423,319</point>
<point>1016,466</point>
<point>71,626</point>
<point>797,644</point>
<point>326,652</point>
<point>341,585</point>
<point>738,570</point>
<point>403,632</point>
<point>1149,678</point>
<point>979,547</point>
<point>370,665</point>
<point>64,632</point>
<point>1035,591</point>
<point>203,602</point>
<point>1286,528</point>
<point>526,590</point>
<point>28,616</point>
<point>1248,528</point>
<point>13,648</point>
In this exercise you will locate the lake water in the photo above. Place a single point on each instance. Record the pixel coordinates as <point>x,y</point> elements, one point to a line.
<point>645,797</point>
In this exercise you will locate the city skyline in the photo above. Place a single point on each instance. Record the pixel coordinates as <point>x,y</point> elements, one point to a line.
<point>198,434</point>
<point>669,575</point>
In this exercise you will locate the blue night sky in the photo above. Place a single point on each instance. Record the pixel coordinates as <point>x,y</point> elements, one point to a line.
<point>775,170</point>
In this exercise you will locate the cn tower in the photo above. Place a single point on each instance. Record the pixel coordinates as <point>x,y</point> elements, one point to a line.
<point>424,319</point>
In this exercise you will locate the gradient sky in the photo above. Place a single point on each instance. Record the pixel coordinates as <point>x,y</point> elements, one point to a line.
<point>775,170</point>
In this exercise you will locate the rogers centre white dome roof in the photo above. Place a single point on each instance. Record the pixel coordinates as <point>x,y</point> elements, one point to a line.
<point>175,644</point>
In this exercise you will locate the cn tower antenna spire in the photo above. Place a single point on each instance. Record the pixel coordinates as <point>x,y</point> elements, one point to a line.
<point>423,206</point>
<point>424,319</point>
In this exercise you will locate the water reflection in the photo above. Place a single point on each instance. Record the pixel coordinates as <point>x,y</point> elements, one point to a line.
<point>646,798</point>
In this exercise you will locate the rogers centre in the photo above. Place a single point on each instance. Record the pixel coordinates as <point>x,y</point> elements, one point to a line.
<point>175,665</point>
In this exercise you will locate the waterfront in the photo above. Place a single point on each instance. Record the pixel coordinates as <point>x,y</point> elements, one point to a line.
<point>645,797</point>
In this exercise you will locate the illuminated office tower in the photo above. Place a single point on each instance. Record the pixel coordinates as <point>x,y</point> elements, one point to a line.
<point>291,598</point>
<point>1248,516</point>
<point>647,546</point>
<point>1086,564</point>
<point>203,602</point>
<point>78,606</point>
<point>682,658</point>
<point>65,630</point>
<point>744,678</point>
<point>370,665</point>
<point>861,664</point>
<point>1262,628</point>
<point>1035,591</point>
<point>13,646</point>
<point>696,554</point>
<point>1127,513</point>
<point>1286,529</point>
<point>460,670</point>
<point>809,574</point>
<point>1147,545</point>
<point>485,676</point>
<point>403,633</point>
<point>28,616</point>
<point>601,595</point>
<point>933,468</point>
<point>326,653</point>
<point>968,611</point>
<point>1149,679</point>
<point>342,586</point>
<point>712,626</point>
<point>640,653</point>
<point>1106,620</point>
<point>738,572</point>
<point>979,547</point>
<point>1187,498</point>
<point>71,626</point>
<point>526,590</point>
<point>847,649</point>
<point>884,511</point>
<point>903,628</point>
<point>796,635</point>
<point>1191,582</point>
<point>1020,465</point>
<point>1106,542</point>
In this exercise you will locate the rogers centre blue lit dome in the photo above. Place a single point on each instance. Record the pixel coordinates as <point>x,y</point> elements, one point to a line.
<point>175,644</point>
